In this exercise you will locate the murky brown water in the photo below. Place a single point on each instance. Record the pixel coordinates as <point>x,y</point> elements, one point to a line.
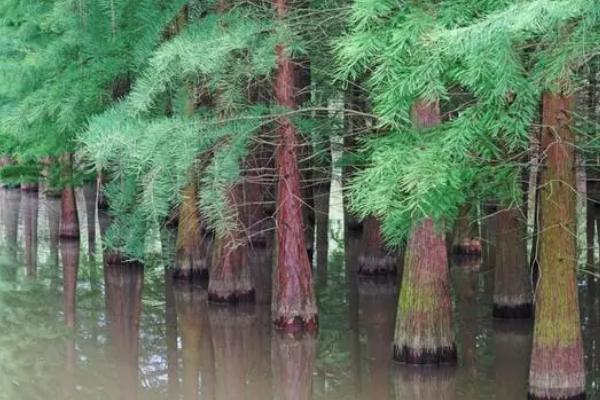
<point>70,329</point>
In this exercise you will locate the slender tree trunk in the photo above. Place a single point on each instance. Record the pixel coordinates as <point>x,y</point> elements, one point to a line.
<point>11,222</point>
<point>294,305</point>
<point>489,228</point>
<point>512,287</point>
<point>322,191</point>
<point>192,254</point>
<point>424,333</point>
<point>30,230</point>
<point>53,210</point>
<point>557,369</point>
<point>69,221</point>
<point>375,258</point>
<point>123,288</point>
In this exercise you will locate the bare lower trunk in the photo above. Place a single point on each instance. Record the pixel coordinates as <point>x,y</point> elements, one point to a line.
<point>11,209</point>
<point>424,333</point>
<point>512,287</point>
<point>557,370</point>
<point>53,210</point>
<point>465,237</point>
<point>192,255</point>
<point>89,192</point>
<point>294,305</point>
<point>69,221</point>
<point>322,229</point>
<point>375,258</point>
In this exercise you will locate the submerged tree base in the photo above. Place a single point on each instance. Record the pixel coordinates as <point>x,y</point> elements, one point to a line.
<point>513,311</point>
<point>297,324</point>
<point>191,274</point>
<point>559,395</point>
<point>408,355</point>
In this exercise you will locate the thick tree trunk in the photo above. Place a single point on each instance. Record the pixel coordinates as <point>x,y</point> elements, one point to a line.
<point>557,369</point>
<point>192,253</point>
<point>123,286</point>
<point>294,305</point>
<point>512,285</point>
<point>69,221</point>
<point>230,276</point>
<point>30,231</point>
<point>424,333</point>
<point>375,258</point>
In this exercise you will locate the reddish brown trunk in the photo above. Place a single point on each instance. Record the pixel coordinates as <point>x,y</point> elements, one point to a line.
<point>123,288</point>
<point>193,256</point>
<point>69,221</point>
<point>30,231</point>
<point>424,333</point>
<point>375,259</point>
<point>53,210</point>
<point>512,288</point>
<point>293,364</point>
<point>294,305</point>
<point>557,369</point>
<point>378,300</point>
<point>231,277</point>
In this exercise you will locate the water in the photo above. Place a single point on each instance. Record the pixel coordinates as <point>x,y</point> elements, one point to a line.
<point>70,329</point>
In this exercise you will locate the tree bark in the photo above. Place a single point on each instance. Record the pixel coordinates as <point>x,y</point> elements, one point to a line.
<point>557,370</point>
<point>512,286</point>
<point>30,231</point>
<point>293,305</point>
<point>69,221</point>
<point>424,333</point>
<point>375,258</point>
<point>89,193</point>
<point>465,239</point>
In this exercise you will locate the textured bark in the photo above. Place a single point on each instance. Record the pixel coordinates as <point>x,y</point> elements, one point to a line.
<point>424,332</point>
<point>512,286</point>
<point>378,299</point>
<point>465,238</point>
<point>69,221</point>
<point>425,383</point>
<point>230,276</point>
<point>293,359</point>
<point>30,230</point>
<point>192,252</point>
<point>375,258</point>
<point>489,228</point>
<point>293,304</point>
<point>123,290</point>
<point>194,326</point>
<point>557,369</point>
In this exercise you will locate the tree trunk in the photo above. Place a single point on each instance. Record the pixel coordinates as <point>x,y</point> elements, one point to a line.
<point>375,258</point>
<point>69,221</point>
<point>30,231</point>
<point>11,209</point>
<point>512,286</point>
<point>557,370</point>
<point>192,253</point>
<point>465,234</point>
<point>294,305</point>
<point>231,277</point>
<point>321,191</point>
<point>424,333</point>
<point>89,193</point>
<point>53,210</point>
<point>489,228</point>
